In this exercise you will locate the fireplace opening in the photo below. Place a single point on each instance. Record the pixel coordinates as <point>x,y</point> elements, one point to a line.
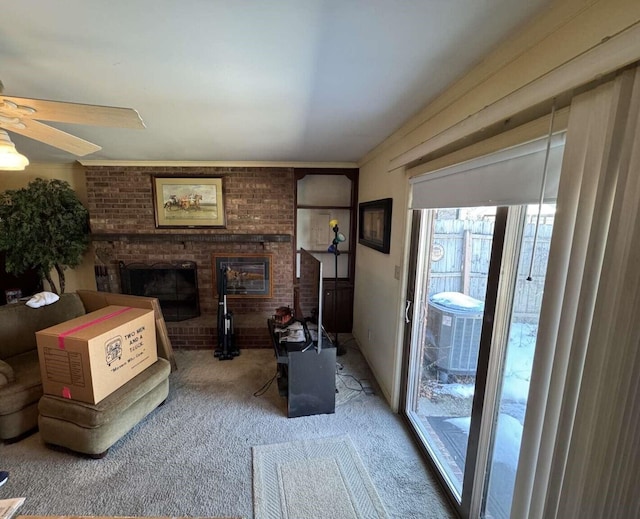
<point>174,284</point>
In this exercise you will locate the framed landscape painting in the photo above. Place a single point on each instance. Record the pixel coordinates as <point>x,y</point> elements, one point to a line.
<point>374,224</point>
<point>248,275</point>
<point>188,201</point>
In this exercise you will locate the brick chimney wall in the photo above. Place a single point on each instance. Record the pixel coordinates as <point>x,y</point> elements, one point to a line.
<point>258,201</point>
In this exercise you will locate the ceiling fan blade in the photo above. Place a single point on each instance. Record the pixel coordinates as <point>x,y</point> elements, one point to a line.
<point>56,138</point>
<point>78,113</point>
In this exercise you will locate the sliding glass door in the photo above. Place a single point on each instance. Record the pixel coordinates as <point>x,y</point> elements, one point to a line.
<point>479,275</point>
<point>450,288</point>
<point>450,291</point>
<point>478,253</point>
<point>517,347</point>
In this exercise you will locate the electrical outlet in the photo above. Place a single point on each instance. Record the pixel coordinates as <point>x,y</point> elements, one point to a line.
<point>396,272</point>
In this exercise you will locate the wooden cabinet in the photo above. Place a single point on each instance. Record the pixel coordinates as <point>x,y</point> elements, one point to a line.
<point>323,195</point>
<point>342,311</point>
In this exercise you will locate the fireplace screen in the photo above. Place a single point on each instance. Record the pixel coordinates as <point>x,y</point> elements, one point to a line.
<point>174,284</point>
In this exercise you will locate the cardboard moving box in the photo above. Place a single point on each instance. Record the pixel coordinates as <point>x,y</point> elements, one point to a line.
<point>89,357</point>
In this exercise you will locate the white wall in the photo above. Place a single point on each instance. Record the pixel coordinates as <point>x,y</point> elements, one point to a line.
<point>562,32</point>
<point>377,295</point>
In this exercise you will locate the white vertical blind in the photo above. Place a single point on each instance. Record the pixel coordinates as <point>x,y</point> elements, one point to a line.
<point>578,457</point>
<point>601,469</point>
<point>508,177</point>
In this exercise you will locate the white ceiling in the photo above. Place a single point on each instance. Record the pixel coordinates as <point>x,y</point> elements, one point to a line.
<point>243,80</point>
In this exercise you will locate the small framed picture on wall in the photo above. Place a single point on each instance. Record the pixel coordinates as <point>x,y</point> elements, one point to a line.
<point>374,224</point>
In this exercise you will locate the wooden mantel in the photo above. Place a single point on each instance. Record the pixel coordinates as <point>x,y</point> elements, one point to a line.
<point>190,237</point>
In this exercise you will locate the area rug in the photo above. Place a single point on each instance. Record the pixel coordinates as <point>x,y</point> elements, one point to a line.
<point>310,479</point>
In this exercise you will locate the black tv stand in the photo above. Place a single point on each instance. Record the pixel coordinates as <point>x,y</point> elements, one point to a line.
<point>306,377</point>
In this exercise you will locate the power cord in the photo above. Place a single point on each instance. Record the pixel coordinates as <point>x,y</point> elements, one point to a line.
<point>266,386</point>
<point>339,367</point>
<point>346,375</point>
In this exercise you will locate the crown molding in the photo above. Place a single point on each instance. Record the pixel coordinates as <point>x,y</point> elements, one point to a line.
<point>610,55</point>
<point>217,164</point>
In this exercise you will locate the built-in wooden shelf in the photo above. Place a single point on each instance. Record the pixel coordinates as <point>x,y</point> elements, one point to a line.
<point>190,237</point>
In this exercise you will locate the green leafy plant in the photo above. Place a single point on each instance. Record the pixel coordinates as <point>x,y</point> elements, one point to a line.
<point>43,226</point>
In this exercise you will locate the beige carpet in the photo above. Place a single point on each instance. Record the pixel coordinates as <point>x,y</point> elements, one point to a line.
<point>310,479</point>
<point>192,457</point>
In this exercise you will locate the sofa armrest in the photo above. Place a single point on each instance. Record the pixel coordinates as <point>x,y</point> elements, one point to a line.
<point>6,373</point>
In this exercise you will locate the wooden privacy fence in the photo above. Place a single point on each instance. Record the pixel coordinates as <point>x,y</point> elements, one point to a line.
<point>460,261</point>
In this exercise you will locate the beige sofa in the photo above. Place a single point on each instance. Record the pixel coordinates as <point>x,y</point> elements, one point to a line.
<point>85,428</point>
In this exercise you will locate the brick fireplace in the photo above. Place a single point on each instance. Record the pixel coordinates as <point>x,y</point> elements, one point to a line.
<point>260,215</point>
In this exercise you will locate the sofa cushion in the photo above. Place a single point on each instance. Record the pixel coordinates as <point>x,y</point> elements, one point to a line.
<point>19,323</point>
<point>6,373</point>
<point>97,440</point>
<point>14,425</point>
<point>27,386</point>
<point>96,415</point>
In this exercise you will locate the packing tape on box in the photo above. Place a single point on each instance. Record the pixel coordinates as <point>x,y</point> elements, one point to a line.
<point>62,336</point>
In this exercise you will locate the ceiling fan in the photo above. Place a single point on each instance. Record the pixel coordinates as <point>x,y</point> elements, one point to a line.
<point>23,115</point>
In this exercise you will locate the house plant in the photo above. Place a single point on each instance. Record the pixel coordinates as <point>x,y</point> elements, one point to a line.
<point>43,226</point>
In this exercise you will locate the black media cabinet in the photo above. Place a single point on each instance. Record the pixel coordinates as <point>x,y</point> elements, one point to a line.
<point>305,377</point>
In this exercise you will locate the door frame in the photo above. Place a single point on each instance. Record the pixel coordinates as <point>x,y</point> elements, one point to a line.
<point>417,223</point>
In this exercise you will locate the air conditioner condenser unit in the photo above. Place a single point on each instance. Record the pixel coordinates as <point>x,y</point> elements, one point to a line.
<point>454,324</point>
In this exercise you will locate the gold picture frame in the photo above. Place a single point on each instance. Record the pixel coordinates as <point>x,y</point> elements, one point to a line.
<point>250,275</point>
<point>187,201</point>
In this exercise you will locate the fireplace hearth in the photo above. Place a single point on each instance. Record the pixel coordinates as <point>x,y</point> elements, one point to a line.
<point>174,284</point>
